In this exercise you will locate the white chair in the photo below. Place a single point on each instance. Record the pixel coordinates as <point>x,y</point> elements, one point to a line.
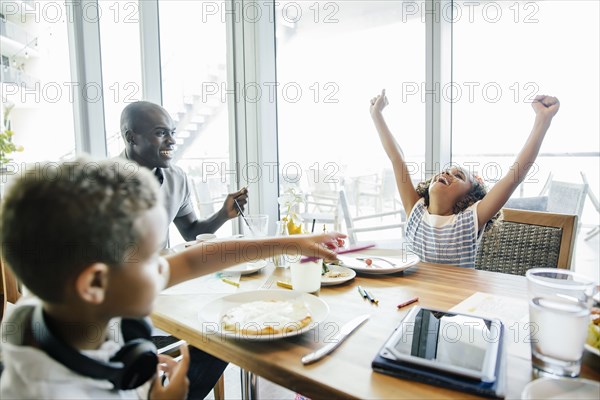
<point>351,221</point>
<point>556,197</point>
<point>379,188</point>
<point>206,201</point>
<point>596,229</point>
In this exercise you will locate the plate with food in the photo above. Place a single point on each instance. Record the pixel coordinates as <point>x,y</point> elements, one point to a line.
<point>248,268</point>
<point>336,275</point>
<point>263,314</point>
<point>378,265</point>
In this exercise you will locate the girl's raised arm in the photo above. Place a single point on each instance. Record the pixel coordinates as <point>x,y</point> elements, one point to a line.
<point>545,108</point>
<point>407,191</point>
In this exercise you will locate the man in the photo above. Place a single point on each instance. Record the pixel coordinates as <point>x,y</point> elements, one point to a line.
<point>149,134</point>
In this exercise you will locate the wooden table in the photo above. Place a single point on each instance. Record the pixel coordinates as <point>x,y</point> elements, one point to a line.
<point>347,372</point>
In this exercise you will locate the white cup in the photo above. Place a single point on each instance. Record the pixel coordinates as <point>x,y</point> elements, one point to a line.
<point>204,237</point>
<point>306,277</point>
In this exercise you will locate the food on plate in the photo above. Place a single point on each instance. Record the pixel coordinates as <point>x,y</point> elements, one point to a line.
<point>335,274</point>
<point>593,338</point>
<point>368,261</point>
<point>267,317</point>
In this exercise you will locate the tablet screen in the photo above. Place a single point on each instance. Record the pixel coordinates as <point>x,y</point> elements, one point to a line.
<point>457,343</point>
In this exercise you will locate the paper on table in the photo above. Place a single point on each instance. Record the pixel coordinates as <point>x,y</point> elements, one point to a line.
<point>208,284</point>
<point>513,313</point>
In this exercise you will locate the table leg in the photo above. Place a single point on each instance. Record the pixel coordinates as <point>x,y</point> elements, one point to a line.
<point>249,385</point>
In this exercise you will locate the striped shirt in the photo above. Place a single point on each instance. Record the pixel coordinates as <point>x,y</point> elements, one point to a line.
<point>443,239</point>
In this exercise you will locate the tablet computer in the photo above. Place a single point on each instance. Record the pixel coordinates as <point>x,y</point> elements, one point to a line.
<point>452,343</point>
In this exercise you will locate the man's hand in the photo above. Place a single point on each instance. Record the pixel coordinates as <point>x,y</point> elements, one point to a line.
<point>378,103</point>
<point>229,208</point>
<point>177,388</point>
<point>545,106</point>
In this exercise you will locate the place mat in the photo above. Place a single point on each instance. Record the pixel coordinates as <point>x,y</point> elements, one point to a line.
<point>207,284</point>
<point>514,314</point>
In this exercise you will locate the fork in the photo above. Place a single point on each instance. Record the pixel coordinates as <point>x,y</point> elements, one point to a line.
<point>376,258</point>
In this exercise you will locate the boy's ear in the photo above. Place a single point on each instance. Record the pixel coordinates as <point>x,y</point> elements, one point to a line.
<point>92,282</point>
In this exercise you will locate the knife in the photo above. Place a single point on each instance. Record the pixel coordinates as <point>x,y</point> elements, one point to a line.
<point>346,330</point>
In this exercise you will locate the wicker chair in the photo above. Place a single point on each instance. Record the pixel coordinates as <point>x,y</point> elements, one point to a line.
<point>528,239</point>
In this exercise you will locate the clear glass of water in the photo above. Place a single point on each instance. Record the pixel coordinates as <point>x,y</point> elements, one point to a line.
<point>280,231</point>
<point>255,225</point>
<point>559,309</point>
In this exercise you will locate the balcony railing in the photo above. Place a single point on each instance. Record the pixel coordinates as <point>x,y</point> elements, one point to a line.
<point>18,77</point>
<point>15,32</point>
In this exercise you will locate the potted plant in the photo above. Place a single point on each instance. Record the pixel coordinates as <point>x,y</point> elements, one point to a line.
<point>289,203</point>
<point>7,147</point>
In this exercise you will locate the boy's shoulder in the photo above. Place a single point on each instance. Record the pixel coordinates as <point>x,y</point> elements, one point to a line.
<point>30,373</point>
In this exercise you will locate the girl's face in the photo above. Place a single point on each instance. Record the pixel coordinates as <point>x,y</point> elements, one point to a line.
<point>453,184</point>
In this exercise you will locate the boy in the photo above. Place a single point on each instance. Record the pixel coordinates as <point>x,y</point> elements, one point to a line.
<point>84,237</point>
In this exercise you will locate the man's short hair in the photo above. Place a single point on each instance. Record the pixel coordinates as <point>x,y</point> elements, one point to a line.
<point>58,218</point>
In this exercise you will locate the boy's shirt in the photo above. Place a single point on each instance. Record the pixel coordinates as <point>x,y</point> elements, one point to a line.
<point>30,373</point>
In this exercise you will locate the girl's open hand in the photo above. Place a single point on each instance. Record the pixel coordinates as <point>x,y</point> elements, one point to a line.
<point>177,387</point>
<point>378,103</point>
<point>545,106</point>
<point>317,245</point>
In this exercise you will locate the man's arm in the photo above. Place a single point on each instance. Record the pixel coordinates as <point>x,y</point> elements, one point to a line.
<point>190,226</point>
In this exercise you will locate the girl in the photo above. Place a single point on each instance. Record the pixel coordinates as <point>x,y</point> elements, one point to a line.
<point>447,214</point>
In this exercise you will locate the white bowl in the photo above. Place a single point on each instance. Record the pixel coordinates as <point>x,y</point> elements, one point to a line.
<point>561,388</point>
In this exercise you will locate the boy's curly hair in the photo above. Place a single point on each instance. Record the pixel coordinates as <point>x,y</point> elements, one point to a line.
<point>58,218</point>
<point>477,192</point>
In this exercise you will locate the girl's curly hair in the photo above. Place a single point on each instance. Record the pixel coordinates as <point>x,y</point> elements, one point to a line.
<point>477,192</point>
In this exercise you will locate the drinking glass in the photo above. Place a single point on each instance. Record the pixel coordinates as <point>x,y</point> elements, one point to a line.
<point>280,231</point>
<point>559,309</point>
<point>255,225</point>
<point>306,277</point>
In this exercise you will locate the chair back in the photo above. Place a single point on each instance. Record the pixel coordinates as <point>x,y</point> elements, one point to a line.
<point>350,221</point>
<point>566,197</point>
<point>527,239</point>
<point>343,204</point>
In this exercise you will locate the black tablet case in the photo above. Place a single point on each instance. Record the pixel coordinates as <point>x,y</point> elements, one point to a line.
<point>407,370</point>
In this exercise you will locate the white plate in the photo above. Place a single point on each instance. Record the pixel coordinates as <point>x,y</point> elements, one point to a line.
<point>349,274</point>
<point>379,266</point>
<point>592,349</point>
<point>561,388</point>
<point>248,267</point>
<point>211,313</point>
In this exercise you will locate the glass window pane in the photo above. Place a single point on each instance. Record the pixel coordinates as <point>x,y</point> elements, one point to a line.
<point>332,58</point>
<point>504,54</point>
<point>121,65</point>
<point>194,78</point>
<point>36,80</point>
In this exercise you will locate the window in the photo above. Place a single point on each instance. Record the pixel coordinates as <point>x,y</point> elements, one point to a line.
<point>332,58</point>
<point>506,53</point>
<point>194,86</point>
<point>36,80</point>
<point>121,65</point>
